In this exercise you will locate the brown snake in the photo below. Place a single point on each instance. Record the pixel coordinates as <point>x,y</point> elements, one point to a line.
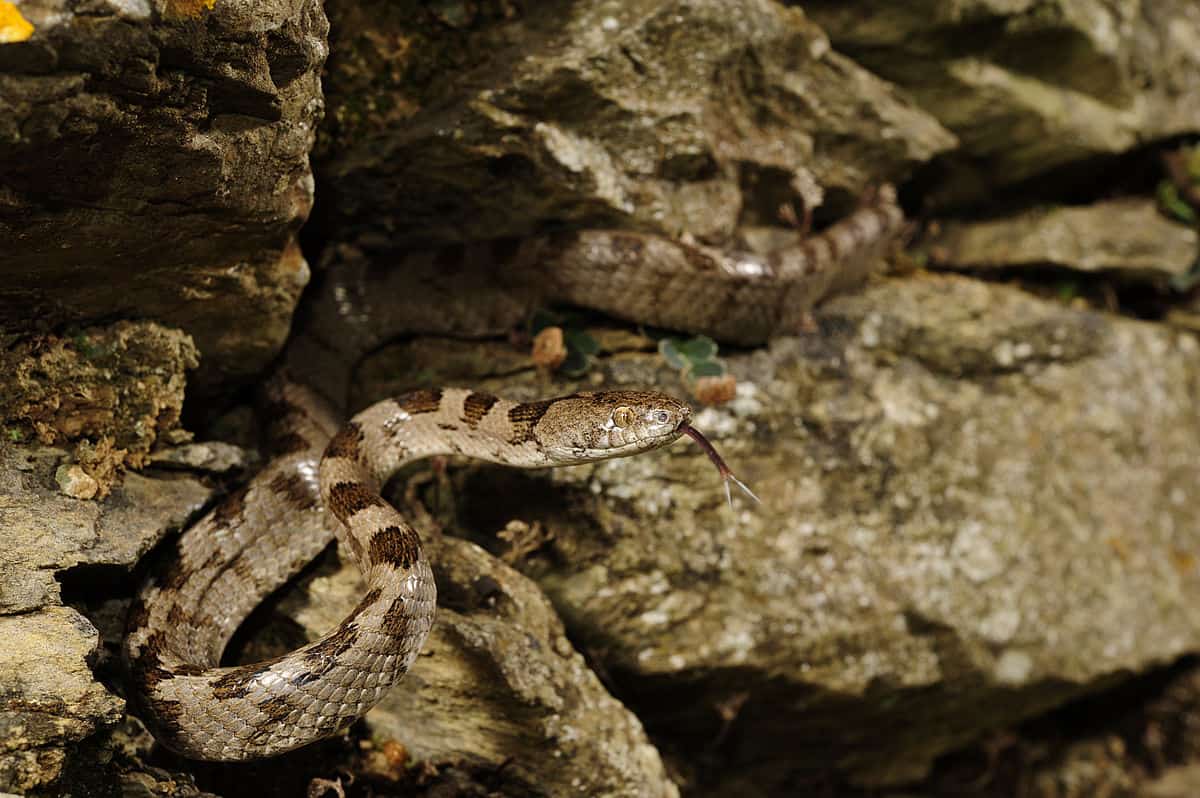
<point>323,478</point>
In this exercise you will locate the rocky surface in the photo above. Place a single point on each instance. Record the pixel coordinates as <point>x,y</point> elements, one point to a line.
<point>1129,237</point>
<point>500,697</point>
<point>975,507</point>
<point>154,163</point>
<point>977,504</point>
<point>56,699</point>
<point>49,697</point>
<point>485,120</point>
<point>113,392</point>
<point>1029,87</point>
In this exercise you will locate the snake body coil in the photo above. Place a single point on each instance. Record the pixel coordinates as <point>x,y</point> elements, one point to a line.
<point>254,541</point>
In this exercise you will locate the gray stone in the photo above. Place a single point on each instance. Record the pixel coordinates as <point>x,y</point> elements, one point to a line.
<point>498,690</point>
<point>49,699</point>
<point>675,117</point>
<point>154,163</point>
<point>47,532</point>
<point>975,507</point>
<point>1128,237</point>
<point>1030,86</point>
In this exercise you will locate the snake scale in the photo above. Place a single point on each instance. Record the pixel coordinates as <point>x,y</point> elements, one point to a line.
<point>325,478</point>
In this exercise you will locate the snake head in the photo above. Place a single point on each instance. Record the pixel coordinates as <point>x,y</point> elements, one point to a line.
<point>596,426</point>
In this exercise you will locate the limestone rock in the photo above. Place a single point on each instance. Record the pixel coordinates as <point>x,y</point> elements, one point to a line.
<point>1128,237</point>
<point>499,695</point>
<point>975,507</point>
<point>676,117</point>
<point>1030,86</point>
<point>48,696</point>
<point>115,390</point>
<point>154,163</point>
<point>46,532</point>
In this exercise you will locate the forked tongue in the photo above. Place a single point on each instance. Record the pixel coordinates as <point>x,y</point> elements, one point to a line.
<point>726,474</point>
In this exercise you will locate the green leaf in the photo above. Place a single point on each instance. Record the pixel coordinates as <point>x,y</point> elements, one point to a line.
<point>581,342</point>
<point>708,368</point>
<point>1173,204</point>
<point>667,347</point>
<point>699,348</point>
<point>576,364</point>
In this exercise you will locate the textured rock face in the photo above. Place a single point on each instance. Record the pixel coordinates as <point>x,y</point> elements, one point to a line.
<point>154,163</point>
<point>660,116</point>
<point>43,663</point>
<point>113,391</point>
<point>49,697</point>
<point>1130,237</point>
<point>1030,86</point>
<point>975,507</point>
<point>497,683</point>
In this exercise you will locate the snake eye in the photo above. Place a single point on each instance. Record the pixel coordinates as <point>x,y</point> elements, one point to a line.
<point>623,416</point>
<point>662,416</point>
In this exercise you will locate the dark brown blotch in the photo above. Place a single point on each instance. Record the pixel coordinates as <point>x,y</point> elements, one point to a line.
<point>348,498</point>
<point>396,546</point>
<point>232,507</point>
<point>524,417</point>
<point>475,407</point>
<point>147,666</point>
<point>295,489</point>
<point>236,683</point>
<point>447,427</point>
<point>427,400</point>
<point>347,443</point>
<point>277,709</point>
<point>288,443</point>
<point>322,653</point>
<point>397,621</point>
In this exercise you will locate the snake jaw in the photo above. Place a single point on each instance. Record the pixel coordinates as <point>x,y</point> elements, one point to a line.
<point>722,469</point>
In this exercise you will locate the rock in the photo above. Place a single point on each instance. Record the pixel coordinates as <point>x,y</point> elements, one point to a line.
<point>1028,87</point>
<point>1128,237</point>
<point>650,115</point>
<point>112,390</point>
<point>499,695</point>
<point>1180,782</point>
<point>46,532</point>
<point>961,484</point>
<point>75,482</point>
<point>49,699</point>
<point>154,163</point>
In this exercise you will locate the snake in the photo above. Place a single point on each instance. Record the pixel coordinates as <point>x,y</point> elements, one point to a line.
<point>324,479</point>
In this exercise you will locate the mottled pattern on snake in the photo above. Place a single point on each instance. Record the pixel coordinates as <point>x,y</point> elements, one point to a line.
<point>490,288</point>
<point>250,544</point>
<point>254,541</point>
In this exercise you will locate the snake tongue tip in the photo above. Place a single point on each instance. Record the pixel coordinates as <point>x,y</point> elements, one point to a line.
<point>730,477</point>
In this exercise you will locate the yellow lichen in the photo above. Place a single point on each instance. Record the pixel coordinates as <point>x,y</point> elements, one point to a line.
<point>13,26</point>
<point>189,8</point>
